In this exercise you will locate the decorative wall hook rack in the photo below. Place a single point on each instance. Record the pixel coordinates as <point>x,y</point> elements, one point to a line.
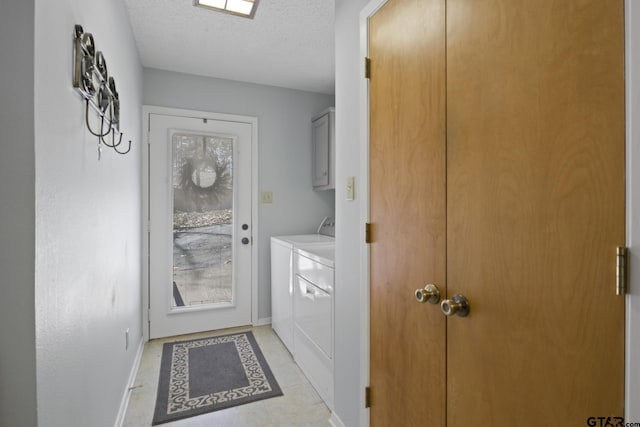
<point>91,79</point>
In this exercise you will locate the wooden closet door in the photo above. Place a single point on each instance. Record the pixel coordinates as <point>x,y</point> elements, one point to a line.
<point>536,208</point>
<point>407,196</point>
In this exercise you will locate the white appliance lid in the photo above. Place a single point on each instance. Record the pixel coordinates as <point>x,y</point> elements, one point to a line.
<point>304,239</point>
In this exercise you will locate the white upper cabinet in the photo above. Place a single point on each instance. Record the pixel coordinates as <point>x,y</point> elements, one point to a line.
<point>324,150</point>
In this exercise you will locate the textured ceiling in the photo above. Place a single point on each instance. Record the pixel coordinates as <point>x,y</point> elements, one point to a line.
<point>289,43</point>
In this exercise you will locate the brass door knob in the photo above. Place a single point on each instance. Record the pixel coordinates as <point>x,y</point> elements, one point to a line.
<point>430,293</point>
<point>458,304</point>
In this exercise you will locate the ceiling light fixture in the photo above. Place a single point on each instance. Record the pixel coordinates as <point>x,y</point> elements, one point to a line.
<point>244,8</point>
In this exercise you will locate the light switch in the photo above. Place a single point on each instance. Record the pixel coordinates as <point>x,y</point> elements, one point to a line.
<point>351,184</point>
<point>266,197</point>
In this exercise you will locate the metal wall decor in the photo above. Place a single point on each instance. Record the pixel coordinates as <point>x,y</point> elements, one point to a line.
<point>91,79</point>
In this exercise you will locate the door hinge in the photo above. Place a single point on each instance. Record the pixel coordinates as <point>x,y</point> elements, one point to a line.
<point>367,68</point>
<point>367,232</point>
<point>367,397</point>
<point>622,273</point>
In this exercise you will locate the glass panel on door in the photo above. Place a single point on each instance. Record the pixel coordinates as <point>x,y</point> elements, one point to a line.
<point>202,174</point>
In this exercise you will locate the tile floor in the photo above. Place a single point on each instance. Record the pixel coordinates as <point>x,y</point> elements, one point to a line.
<point>300,406</point>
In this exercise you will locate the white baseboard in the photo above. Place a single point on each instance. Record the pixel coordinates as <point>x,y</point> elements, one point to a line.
<point>124,403</point>
<point>263,321</point>
<point>335,421</point>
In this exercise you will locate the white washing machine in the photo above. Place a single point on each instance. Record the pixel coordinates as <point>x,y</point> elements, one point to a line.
<point>282,276</point>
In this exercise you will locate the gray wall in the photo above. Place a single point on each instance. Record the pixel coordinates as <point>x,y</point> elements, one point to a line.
<point>348,304</point>
<point>284,150</point>
<point>17,216</point>
<point>88,222</point>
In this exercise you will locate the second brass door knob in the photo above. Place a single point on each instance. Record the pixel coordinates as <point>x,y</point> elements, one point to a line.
<point>458,304</point>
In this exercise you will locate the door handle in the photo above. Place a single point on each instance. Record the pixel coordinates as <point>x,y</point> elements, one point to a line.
<point>458,304</point>
<point>430,293</point>
<point>245,240</point>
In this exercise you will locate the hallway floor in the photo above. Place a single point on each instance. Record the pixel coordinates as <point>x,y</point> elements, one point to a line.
<point>300,406</point>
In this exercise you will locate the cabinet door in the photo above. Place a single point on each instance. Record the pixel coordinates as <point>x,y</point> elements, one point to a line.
<point>536,208</point>
<point>407,185</point>
<point>320,141</point>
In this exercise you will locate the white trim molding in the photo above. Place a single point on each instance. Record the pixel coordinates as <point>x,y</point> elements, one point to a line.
<point>126,396</point>
<point>335,421</point>
<point>632,74</point>
<point>262,321</point>
<point>150,109</point>
<point>367,12</point>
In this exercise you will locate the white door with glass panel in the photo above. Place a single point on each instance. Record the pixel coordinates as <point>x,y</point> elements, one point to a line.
<point>200,224</point>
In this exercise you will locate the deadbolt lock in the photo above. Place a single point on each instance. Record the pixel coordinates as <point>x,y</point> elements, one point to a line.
<point>458,304</point>
<point>430,293</point>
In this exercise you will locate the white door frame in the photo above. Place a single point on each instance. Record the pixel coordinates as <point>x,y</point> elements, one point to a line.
<point>150,109</point>
<point>365,255</point>
<point>632,341</point>
<point>632,75</point>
